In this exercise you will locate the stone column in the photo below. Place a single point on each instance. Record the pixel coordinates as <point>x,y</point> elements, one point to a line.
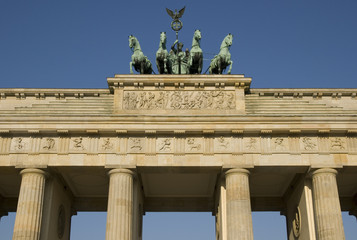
<point>239,215</point>
<point>120,205</point>
<point>327,205</point>
<point>30,204</point>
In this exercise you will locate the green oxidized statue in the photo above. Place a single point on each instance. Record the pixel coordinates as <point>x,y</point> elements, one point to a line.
<point>162,62</point>
<point>140,62</point>
<point>179,59</point>
<point>196,55</point>
<point>223,59</point>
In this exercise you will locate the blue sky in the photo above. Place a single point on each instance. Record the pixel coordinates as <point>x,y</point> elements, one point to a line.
<point>279,43</point>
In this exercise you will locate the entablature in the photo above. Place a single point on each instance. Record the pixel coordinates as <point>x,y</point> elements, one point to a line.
<point>179,142</point>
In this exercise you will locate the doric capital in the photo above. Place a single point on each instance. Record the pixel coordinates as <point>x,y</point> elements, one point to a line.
<point>122,171</point>
<point>324,171</point>
<point>35,171</point>
<point>237,171</point>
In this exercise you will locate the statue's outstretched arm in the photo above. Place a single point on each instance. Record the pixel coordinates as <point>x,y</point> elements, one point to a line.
<point>173,46</point>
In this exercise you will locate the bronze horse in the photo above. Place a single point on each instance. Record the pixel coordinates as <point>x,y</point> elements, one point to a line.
<point>140,62</point>
<point>196,55</point>
<point>223,59</point>
<point>163,64</point>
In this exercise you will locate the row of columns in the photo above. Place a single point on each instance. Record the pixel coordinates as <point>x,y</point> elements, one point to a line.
<point>327,210</point>
<point>328,218</point>
<point>31,198</point>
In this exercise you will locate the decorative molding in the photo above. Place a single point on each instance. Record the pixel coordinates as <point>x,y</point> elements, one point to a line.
<point>315,93</point>
<point>40,94</point>
<point>179,81</point>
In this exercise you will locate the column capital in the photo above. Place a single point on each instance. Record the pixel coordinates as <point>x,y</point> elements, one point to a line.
<point>121,170</point>
<point>237,171</point>
<point>324,170</point>
<point>34,170</point>
<point>353,213</point>
<point>3,213</point>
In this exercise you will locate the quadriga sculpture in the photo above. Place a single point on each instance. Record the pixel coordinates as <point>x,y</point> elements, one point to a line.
<point>162,62</point>
<point>140,62</point>
<point>196,56</point>
<point>223,59</point>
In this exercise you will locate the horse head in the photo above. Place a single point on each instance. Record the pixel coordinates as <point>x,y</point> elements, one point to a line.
<point>132,41</point>
<point>197,35</point>
<point>163,37</point>
<point>228,40</point>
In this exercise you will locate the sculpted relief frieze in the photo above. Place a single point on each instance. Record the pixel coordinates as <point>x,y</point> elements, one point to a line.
<point>222,144</point>
<point>49,144</point>
<point>184,100</point>
<point>20,144</point>
<point>194,145</point>
<point>78,144</point>
<point>251,144</point>
<point>165,145</point>
<point>170,145</point>
<point>337,143</point>
<point>309,143</point>
<point>280,144</point>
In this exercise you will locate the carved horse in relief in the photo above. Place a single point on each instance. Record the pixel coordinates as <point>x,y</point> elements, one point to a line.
<point>162,62</point>
<point>140,62</point>
<point>223,59</point>
<point>196,55</point>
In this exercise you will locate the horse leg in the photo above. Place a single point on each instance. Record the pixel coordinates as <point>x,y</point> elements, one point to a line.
<point>142,67</point>
<point>230,67</point>
<point>131,67</point>
<point>219,64</point>
<point>190,61</point>
<point>165,66</point>
<point>200,65</point>
<point>158,66</point>
<point>149,68</point>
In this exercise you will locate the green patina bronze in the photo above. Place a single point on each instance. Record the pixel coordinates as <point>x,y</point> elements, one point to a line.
<point>196,55</point>
<point>178,61</point>
<point>223,59</point>
<point>176,24</point>
<point>138,60</point>
<point>163,64</point>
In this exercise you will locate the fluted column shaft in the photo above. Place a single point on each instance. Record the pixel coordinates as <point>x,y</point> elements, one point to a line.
<point>239,215</point>
<point>30,204</point>
<point>120,205</point>
<point>327,207</point>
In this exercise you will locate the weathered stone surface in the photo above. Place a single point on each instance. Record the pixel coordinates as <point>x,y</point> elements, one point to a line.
<point>328,216</point>
<point>180,148</point>
<point>30,205</point>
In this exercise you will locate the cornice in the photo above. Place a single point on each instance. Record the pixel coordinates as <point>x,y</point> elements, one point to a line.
<point>50,92</point>
<point>178,81</point>
<point>300,92</point>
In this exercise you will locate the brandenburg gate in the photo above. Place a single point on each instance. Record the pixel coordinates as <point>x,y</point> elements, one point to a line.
<point>178,143</point>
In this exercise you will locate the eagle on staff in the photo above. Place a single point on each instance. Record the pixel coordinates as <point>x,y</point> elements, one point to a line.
<point>176,24</point>
<point>175,15</point>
